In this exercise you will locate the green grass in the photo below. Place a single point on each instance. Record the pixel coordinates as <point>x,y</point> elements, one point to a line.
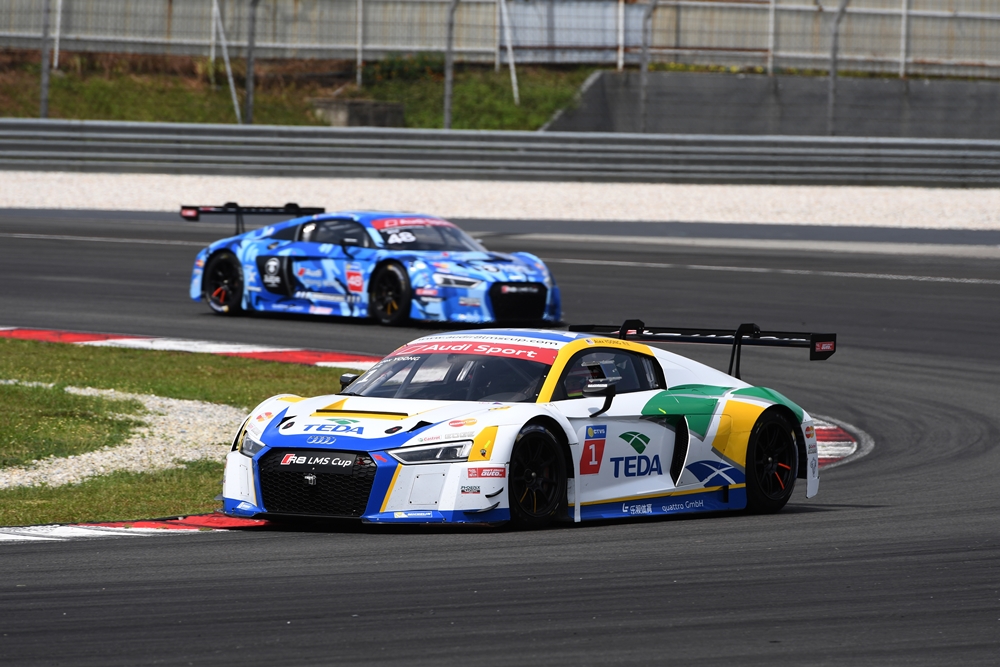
<point>174,89</point>
<point>39,421</point>
<point>119,496</point>
<point>233,381</point>
<point>483,99</point>
<point>36,422</point>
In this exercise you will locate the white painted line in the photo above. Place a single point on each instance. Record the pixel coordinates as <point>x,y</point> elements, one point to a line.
<point>101,239</point>
<point>942,250</point>
<point>790,272</point>
<point>66,532</point>
<point>9,536</point>
<point>184,345</point>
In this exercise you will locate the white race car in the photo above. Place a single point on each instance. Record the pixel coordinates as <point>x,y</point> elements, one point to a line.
<point>531,426</point>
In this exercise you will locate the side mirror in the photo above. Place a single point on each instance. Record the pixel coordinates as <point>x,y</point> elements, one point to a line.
<point>346,379</point>
<point>600,387</point>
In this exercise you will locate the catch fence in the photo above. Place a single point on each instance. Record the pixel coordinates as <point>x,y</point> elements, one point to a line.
<point>904,37</point>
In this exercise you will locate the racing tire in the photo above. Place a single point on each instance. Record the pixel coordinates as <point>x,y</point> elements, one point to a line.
<point>223,284</point>
<point>537,478</point>
<point>772,464</point>
<point>390,295</point>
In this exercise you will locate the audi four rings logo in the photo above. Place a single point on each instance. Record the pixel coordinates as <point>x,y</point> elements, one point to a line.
<point>320,440</point>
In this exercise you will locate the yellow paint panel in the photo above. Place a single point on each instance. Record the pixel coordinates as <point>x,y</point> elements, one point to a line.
<point>743,416</point>
<point>482,446</point>
<point>291,399</point>
<point>568,350</point>
<point>392,485</point>
<point>339,405</point>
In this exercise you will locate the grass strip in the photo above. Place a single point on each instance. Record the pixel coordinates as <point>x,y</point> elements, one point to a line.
<point>120,496</point>
<point>36,422</point>
<point>233,381</point>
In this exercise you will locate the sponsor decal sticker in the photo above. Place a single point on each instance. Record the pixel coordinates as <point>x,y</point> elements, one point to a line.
<point>810,432</point>
<point>459,423</point>
<point>493,472</point>
<point>519,289</point>
<point>320,440</point>
<point>332,461</point>
<point>826,346</point>
<point>508,350</point>
<point>425,291</point>
<point>355,281</point>
<point>636,466</point>
<point>390,223</point>
<point>264,417</point>
<point>637,440</point>
<point>593,450</point>
<point>469,302</point>
<point>470,489</point>
<point>413,515</point>
<point>637,510</point>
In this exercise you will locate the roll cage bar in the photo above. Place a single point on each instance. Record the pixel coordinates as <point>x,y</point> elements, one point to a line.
<point>821,345</point>
<point>291,209</point>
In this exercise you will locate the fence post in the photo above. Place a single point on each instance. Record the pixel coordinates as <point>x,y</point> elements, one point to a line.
<point>251,40</point>
<point>360,27</point>
<point>832,93</point>
<point>647,37</point>
<point>217,22</point>
<point>510,51</point>
<point>771,16</point>
<point>449,63</point>
<point>621,35</point>
<point>55,54</point>
<point>903,34</point>
<point>44,102</point>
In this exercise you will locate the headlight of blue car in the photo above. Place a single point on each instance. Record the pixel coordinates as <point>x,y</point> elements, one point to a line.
<point>448,280</point>
<point>449,452</point>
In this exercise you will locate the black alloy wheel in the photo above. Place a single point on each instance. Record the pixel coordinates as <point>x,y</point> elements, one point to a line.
<point>223,284</point>
<point>389,299</point>
<point>537,488</point>
<point>772,464</point>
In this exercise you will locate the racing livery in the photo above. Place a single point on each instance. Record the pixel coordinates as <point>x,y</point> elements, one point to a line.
<point>392,267</point>
<point>530,426</point>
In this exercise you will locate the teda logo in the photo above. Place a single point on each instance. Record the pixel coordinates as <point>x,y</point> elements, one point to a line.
<point>637,440</point>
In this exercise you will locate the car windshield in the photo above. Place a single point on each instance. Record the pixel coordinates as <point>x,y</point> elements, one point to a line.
<point>452,377</point>
<point>441,236</point>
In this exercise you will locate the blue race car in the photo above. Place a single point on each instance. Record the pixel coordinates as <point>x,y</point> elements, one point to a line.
<point>392,267</point>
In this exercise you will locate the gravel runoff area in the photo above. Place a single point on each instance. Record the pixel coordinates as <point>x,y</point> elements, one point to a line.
<point>927,208</point>
<point>176,431</point>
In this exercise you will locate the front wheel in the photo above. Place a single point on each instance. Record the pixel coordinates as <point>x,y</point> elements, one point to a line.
<point>537,488</point>
<point>772,464</point>
<point>390,295</point>
<point>223,284</point>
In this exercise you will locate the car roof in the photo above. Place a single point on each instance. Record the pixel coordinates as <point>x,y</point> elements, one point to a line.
<point>368,217</point>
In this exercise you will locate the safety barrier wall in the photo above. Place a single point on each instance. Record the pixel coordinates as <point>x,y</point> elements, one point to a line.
<point>906,37</point>
<point>566,156</point>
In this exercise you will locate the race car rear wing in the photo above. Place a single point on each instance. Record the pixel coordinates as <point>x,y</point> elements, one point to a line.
<point>821,345</point>
<point>292,210</point>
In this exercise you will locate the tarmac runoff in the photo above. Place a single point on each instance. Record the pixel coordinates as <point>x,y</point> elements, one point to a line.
<point>196,430</point>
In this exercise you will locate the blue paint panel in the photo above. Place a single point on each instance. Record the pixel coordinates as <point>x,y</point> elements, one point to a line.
<point>706,501</point>
<point>239,508</point>
<point>433,516</point>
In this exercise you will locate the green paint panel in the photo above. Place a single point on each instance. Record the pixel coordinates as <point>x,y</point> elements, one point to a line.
<point>700,389</point>
<point>698,410</point>
<point>771,395</point>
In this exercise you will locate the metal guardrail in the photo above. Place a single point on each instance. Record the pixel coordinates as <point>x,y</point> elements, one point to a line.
<point>101,146</point>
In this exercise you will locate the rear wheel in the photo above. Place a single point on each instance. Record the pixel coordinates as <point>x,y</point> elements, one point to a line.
<point>772,464</point>
<point>537,488</point>
<point>223,284</point>
<point>390,296</point>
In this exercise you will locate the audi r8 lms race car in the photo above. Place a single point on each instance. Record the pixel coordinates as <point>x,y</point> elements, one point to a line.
<point>392,267</point>
<point>530,426</point>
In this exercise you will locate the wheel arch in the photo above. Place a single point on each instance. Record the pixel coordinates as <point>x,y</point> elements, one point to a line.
<point>560,433</point>
<point>212,254</point>
<point>800,441</point>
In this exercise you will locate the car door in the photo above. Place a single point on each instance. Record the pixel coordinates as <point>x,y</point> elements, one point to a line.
<point>623,458</point>
<point>330,266</point>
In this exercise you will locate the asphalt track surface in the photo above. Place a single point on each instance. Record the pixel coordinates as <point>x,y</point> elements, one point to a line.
<point>897,561</point>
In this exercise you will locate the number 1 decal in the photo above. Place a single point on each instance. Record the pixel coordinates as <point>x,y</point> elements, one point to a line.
<point>593,452</point>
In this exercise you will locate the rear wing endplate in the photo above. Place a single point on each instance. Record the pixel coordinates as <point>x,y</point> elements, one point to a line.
<point>821,345</point>
<point>292,210</point>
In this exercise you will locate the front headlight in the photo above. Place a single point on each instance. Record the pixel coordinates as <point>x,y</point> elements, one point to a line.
<point>249,446</point>
<point>448,280</point>
<point>449,452</point>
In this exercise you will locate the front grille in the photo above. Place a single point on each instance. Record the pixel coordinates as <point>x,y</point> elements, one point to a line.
<point>518,302</point>
<point>333,495</point>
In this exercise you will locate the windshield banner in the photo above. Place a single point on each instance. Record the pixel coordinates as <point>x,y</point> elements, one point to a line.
<point>391,223</point>
<point>490,349</point>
